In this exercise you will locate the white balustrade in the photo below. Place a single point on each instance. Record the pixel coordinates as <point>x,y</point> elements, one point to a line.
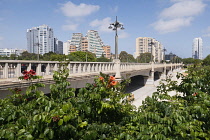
<point>13,68</point>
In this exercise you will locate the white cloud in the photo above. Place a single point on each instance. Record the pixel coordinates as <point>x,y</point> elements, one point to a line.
<point>71,27</point>
<point>70,9</point>
<point>183,9</point>
<point>179,15</point>
<point>166,26</point>
<point>101,25</point>
<point>123,34</point>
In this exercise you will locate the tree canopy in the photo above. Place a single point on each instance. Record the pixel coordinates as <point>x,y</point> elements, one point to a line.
<point>82,56</point>
<point>206,61</point>
<point>188,60</point>
<point>102,59</point>
<point>125,57</point>
<point>144,58</point>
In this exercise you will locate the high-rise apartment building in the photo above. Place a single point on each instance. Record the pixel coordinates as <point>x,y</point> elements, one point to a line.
<point>91,42</point>
<point>76,41</point>
<point>150,45</point>
<point>197,49</point>
<point>84,46</point>
<point>66,47</point>
<point>107,51</point>
<point>58,46</point>
<point>40,40</point>
<point>95,44</point>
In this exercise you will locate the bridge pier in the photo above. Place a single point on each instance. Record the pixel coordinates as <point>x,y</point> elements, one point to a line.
<point>148,80</point>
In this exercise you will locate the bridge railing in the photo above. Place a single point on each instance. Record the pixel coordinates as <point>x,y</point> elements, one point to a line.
<point>14,68</point>
<point>134,66</point>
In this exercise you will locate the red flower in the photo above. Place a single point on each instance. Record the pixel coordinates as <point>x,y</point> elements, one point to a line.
<point>195,94</point>
<point>101,78</point>
<point>28,74</point>
<point>111,78</point>
<point>113,83</point>
<point>26,77</point>
<point>25,72</point>
<point>32,72</point>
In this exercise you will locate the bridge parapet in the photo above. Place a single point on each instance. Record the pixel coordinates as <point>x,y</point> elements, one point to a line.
<point>13,68</point>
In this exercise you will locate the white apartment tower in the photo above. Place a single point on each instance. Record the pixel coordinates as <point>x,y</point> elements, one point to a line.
<point>40,40</point>
<point>95,44</point>
<point>197,50</point>
<point>150,45</point>
<point>77,41</point>
<point>66,47</point>
<point>91,42</point>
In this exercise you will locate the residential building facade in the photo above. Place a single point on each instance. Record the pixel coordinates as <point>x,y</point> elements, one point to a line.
<point>84,46</point>
<point>58,46</point>
<point>91,42</point>
<point>107,51</point>
<point>7,52</point>
<point>77,41</point>
<point>40,40</point>
<point>66,47</point>
<point>149,45</point>
<point>95,44</point>
<point>197,48</point>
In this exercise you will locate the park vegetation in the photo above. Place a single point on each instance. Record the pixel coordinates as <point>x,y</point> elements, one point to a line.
<point>101,110</point>
<point>51,56</point>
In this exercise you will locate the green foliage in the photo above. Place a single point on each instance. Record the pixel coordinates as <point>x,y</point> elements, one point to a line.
<point>125,57</point>
<point>144,58</point>
<point>13,57</point>
<point>28,56</point>
<point>102,59</point>
<point>188,61</point>
<point>206,61</point>
<point>82,56</point>
<point>51,56</point>
<point>3,57</point>
<point>101,110</point>
<point>176,59</point>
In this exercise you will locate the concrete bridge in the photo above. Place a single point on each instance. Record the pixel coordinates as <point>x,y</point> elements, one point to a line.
<point>80,72</point>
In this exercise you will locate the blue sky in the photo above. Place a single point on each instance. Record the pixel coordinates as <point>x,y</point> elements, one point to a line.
<point>172,22</point>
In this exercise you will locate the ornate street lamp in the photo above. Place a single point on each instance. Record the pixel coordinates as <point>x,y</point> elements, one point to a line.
<point>37,44</point>
<point>114,26</point>
<point>164,57</point>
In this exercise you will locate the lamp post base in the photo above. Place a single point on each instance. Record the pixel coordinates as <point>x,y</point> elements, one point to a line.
<point>117,69</point>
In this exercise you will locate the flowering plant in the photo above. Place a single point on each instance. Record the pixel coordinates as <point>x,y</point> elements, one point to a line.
<point>29,75</point>
<point>32,89</point>
<point>108,81</point>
